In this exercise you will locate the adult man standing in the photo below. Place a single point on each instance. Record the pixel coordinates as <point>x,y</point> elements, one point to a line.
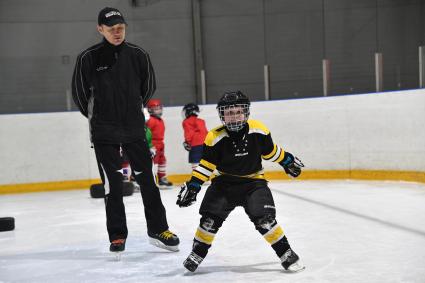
<point>112,82</point>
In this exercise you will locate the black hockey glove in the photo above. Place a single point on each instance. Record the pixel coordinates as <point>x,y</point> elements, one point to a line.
<point>292,165</point>
<point>187,146</point>
<point>187,195</point>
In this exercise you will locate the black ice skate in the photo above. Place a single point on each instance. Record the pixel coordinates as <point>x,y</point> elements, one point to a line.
<point>117,246</point>
<point>192,261</point>
<point>165,240</point>
<point>291,261</point>
<point>164,183</point>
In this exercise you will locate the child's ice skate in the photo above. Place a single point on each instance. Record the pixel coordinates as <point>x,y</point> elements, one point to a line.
<point>291,261</point>
<point>164,183</point>
<point>192,261</point>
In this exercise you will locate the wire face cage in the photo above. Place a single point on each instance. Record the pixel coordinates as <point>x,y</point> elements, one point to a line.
<point>234,116</point>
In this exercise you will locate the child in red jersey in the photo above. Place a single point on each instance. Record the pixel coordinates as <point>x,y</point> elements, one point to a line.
<point>195,132</point>
<point>157,127</point>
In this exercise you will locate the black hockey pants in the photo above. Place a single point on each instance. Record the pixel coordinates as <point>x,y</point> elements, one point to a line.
<point>255,197</point>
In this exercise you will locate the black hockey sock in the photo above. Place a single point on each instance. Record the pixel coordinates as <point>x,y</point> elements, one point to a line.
<point>200,249</point>
<point>204,236</point>
<point>272,233</point>
<point>281,246</point>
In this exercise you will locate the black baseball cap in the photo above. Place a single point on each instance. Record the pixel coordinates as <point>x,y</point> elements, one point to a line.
<point>109,17</point>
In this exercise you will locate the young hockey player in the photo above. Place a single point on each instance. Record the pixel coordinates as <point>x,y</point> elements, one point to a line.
<point>235,151</point>
<point>195,132</point>
<point>157,127</point>
<point>149,141</point>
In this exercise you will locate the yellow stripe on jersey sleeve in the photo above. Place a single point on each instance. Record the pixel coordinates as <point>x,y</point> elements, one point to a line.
<point>200,176</point>
<point>207,164</point>
<point>276,155</point>
<point>204,170</point>
<point>282,155</point>
<point>270,155</point>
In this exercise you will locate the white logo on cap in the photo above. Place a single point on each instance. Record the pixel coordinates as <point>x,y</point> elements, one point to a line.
<point>112,13</point>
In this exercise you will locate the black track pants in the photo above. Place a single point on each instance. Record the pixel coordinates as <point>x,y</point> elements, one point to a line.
<point>110,162</point>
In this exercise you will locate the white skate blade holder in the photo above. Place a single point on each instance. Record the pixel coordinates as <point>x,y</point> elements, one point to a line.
<point>117,256</point>
<point>297,266</point>
<point>159,244</point>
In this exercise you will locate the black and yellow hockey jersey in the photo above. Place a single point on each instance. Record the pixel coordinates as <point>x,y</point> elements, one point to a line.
<point>237,155</point>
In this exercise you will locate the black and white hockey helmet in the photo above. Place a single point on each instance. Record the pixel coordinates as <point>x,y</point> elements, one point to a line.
<point>233,110</point>
<point>190,109</point>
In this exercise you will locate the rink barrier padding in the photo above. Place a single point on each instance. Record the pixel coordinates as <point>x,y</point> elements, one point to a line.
<point>367,175</point>
<point>178,179</point>
<point>47,186</point>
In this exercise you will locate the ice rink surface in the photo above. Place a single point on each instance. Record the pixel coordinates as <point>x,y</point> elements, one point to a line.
<point>344,231</point>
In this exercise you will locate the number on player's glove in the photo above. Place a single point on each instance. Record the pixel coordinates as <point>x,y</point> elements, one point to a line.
<point>187,146</point>
<point>292,165</point>
<point>188,193</point>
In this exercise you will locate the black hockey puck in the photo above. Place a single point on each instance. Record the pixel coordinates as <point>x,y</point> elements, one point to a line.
<point>97,191</point>
<point>7,224</point>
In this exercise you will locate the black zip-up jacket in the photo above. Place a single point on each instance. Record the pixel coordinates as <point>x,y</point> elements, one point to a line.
<point>110,85</point>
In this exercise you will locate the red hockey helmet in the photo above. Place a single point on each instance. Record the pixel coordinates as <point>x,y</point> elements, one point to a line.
<point>155,107</point>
